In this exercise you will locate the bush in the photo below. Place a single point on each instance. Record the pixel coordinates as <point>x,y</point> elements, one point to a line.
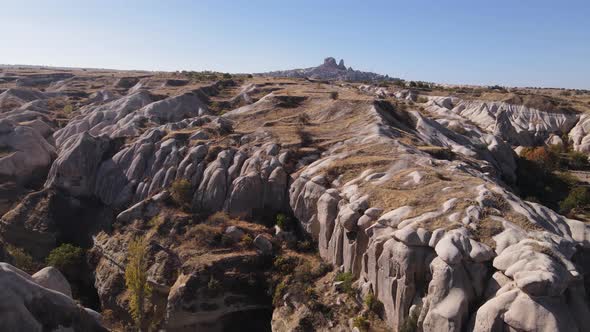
<point>545,186</point>
<point>205,235</point>
<point>278,293</point>
<point>578,160</point>
<point>181,192</point>
<point>285,264</point>
<point>373,304</point>
<point>305,246</point>
<point>283,221</point>
<point>303,273</point>
<point>68,109</point>
<point>247,240</point>
<point>545,158</point>
<point>219,218</point>
<point>361,323</point>
<point>321,270</point>
<point>212,153</point>
<point>311,293</point>
<point>347,279</point>
<point>422,100</point>
<point>21,259</point>
<point>577,198</point>
<point>65,257</point>
<point>333,95</point>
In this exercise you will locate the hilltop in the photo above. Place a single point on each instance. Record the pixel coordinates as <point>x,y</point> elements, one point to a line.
<point>330,70</point>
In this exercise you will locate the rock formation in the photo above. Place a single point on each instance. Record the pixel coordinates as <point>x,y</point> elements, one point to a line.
<point>413,201</point>
<point>330,70</point>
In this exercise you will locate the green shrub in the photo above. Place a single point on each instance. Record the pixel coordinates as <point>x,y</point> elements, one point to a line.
<point>361,323</point>
<point>65,257</point>
<point>373,304</point>
<point>578,160</point>
<point>278,293</point>
<point>283,221</point>
<point>577,198</point>
<point>285,264</point>
<point>333,95</point>
<point>321,270</point>
<point>305,246</point>
<point>181,192</point>
<point>347,279</point>
<point>247,240</point>
<point>311,293</point>
<point>68,109</point>
<point>303,273</point>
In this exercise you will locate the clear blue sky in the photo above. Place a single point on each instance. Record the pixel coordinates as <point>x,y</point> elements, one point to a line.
<point>521,43</point>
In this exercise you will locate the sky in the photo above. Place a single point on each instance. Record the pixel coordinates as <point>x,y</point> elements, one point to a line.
<point>511,43</point>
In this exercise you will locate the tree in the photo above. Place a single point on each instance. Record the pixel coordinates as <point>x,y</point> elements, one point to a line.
<point>136,279</point>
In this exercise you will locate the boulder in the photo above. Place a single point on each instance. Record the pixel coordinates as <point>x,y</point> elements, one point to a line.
<point>263,244</point>
<point>235,233</point>
<point>50,278</point>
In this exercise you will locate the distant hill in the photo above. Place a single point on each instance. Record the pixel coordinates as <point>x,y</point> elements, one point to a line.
<point>330,70</point>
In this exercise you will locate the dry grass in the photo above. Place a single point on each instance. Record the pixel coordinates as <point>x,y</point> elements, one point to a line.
<point>486,229</point>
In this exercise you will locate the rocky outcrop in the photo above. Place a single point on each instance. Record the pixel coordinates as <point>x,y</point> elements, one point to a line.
<point>76,169</point>
<point>515,124</point>
<point>114,118</point>
<point>29,306</point>
<point>212,298</point>
<point>329,70</point>
<point>579,135</point>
